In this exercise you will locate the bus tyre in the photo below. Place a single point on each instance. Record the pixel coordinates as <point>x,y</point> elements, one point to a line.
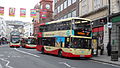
<point>42,51</point>
<point>23,46</point>
<point>60,53</point>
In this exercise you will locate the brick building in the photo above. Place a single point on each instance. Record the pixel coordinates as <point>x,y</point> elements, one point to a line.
<point>65,9</point>
<point>44,13</point>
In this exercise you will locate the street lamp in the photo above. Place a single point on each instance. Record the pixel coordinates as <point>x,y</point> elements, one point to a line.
<point>108,19</point>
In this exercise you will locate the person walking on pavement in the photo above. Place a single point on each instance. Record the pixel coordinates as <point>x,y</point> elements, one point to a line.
<point>101,49</point>
<point>0,40</point>
<point>109,49</point>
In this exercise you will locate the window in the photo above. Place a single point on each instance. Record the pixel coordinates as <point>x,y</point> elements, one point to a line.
<point>48,41</point>
<point>97,4</point>
<point>73,1</point>
<point>81,43</point>
<point>69,2</point>
<point>84,7</point>
<point>65,4</point>
<point>69,15</point>
<point>58,9</point>
<point>55,11</point>
<point>55,1</point>
<point>41,7</point>
<point>61,7</point>
<point>74,13</point>
<point>65,25</point>
<point>66,16</point>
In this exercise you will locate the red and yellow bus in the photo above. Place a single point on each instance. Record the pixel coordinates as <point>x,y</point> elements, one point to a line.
<point>30,42</point>
<point>23,41</point>
<point>15,41</point>
<point>69,37</point>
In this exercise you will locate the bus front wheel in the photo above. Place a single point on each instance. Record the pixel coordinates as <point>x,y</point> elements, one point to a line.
<point>42,51</point>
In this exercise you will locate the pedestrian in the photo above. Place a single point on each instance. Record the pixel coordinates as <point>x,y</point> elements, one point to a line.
<point>109,49</point>
<point>0,41</point>
<point>101,49</point>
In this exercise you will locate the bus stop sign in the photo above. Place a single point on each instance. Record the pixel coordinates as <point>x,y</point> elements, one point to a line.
<point>109,24</point>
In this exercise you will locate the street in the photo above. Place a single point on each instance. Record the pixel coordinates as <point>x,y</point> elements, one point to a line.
<point>30,58</point>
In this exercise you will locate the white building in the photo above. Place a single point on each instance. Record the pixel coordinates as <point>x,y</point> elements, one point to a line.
<point>3,27</point>
<point>28,30</point>
<point>8,31</point>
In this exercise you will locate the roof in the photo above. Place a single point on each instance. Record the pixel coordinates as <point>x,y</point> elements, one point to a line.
<point>67,19</point>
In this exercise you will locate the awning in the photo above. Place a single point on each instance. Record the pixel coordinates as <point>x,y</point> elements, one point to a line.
<point>98,29</point>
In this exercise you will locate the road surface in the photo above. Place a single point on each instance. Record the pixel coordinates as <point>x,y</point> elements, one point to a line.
<point>30,58</point>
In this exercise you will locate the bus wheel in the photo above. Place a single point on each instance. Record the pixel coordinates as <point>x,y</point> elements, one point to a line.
<point>11,46</point>
<point>23,46</point>
<point>60,53</point>
<point>42,51</point>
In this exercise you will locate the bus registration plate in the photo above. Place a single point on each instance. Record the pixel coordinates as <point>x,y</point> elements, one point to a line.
<point>82,55</point>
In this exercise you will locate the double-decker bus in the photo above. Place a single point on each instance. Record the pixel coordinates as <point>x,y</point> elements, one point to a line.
<point>69,37</point>
<point>23,41</point>
<point>30,42</point>
<point>15,41</point>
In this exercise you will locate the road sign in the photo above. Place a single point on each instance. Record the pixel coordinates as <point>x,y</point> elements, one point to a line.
<point>109,24</point>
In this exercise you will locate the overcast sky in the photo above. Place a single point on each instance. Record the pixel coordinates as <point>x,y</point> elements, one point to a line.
<point>28,4</point>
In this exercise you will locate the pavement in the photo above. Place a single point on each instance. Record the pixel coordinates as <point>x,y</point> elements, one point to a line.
<point>106,59</point>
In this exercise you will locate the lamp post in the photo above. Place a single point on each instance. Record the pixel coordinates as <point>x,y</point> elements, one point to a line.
<point>108,20</point>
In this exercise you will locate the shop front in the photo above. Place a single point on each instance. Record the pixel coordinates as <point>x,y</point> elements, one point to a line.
<point>115,33</point>
<point>98,34</point>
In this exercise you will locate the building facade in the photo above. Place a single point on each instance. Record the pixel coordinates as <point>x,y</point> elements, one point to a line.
<point>46,11</point>
<point>28,30</point>
<point>65,9</point>
<point>115,32</point>
<point>44,14</point>
<point>97,11</point>
<point>36,20</point>
<point>3,27</point>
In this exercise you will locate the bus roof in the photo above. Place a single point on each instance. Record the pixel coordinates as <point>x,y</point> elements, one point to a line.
<point>67,19</point>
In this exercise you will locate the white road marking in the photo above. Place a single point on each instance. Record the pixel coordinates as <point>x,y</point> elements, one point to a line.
<point>0,66</point>
<point>66,64</point>
<point>26,52</point>
<point>8,56</point>
<point>108,64</point>
<point>7,65</point>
